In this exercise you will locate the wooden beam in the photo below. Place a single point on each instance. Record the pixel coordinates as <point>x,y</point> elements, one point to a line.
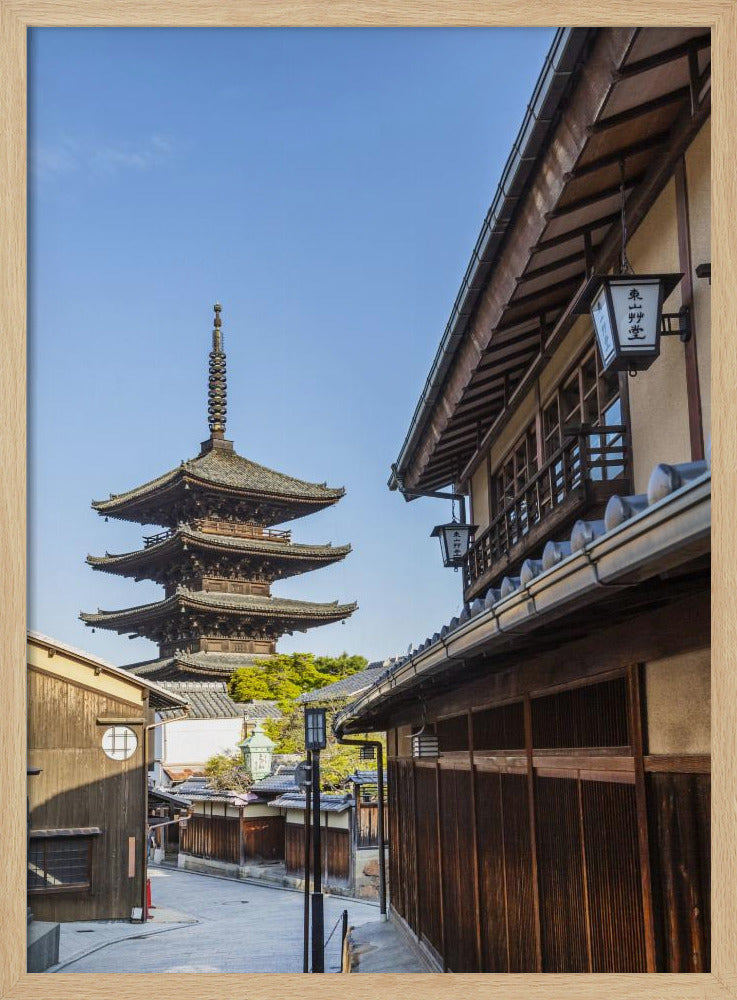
<point>571,234</point>
<point>556,265</point>
<point>662,58</point>
<point>635,707</point>
<point>672,97</point>
<point>475,850</point>
<point>623,153</point>
<point>593,199</point>
<point>693,388</point>
<point>533,834</point>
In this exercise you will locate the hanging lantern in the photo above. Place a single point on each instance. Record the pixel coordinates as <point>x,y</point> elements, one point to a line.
<point>367,751</point>
<point>627,313</point>
<point>455,540</point>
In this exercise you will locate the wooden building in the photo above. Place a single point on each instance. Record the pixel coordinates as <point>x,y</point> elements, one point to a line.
<point>549,747</point>
<point>217,555</point>
<point>229,827</point>
<point>88,734</point>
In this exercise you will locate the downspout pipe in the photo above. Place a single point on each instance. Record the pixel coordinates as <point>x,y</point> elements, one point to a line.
<point>144,852</point>
<point>380,774</point>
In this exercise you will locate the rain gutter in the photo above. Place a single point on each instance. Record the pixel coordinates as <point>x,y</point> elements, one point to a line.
<point>621,558</point>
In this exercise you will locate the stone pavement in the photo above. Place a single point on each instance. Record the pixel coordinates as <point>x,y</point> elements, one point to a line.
<point>379,946</point>
<point>231,926</point>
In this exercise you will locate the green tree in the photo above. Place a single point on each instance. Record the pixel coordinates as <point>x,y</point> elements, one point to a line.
<point>227,772</point>
<point>284,677</point>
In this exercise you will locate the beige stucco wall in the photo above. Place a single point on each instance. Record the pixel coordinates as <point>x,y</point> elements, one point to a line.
<point>679,703</point>
<point>658,403</point>
<point>698,183</point>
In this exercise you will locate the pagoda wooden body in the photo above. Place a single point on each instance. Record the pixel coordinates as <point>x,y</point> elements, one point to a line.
<point>217,555</point>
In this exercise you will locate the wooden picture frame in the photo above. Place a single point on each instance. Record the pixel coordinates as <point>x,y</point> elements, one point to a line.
<point>16,16</point>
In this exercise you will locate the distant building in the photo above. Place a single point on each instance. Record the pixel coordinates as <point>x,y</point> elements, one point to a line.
<point>215,724</point>
<point>88,734</point>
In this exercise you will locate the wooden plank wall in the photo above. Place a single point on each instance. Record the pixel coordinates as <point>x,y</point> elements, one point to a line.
<point>219,838</point>
<point>79,786</point>
<point>336,855</point>
<point>531,859</point>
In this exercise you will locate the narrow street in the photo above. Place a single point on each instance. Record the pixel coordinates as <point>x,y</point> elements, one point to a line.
<point>240,927</point>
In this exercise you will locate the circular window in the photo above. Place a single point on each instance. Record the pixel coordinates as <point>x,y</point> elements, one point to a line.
<point>119,742</point>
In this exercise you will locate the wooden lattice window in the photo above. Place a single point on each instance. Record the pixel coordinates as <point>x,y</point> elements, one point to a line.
<point>60,863</point>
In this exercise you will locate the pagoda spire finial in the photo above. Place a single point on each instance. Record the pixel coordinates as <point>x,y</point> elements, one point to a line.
<point>217,387</point>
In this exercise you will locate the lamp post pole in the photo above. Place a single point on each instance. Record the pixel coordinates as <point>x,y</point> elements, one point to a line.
<point>308,819</point>
<point>318,925</point>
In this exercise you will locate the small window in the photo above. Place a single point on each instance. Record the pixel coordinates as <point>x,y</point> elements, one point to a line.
<point>60,864</point>
<point>119,742</point>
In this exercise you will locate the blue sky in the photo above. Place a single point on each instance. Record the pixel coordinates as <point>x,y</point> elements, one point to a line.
<point>327,186</point>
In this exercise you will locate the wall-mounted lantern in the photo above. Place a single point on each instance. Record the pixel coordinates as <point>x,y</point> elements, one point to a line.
<point>315,735</point>
<point>455,540</point>
<point>627,313</point>
<point>424,745</point>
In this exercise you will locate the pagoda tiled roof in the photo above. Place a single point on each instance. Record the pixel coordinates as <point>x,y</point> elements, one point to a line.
<point>247,546</point>
<point>241,604</point>
<point>221,468</point>
<point>194,666</point>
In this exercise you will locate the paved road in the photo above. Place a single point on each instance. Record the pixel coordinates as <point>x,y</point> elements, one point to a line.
<point>240,927</point>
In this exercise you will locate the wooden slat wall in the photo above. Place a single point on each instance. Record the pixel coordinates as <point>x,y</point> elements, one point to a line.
<point>518,868</point>
<point>609,819</point>
<point>429,924</point>
<point>485,847</point>
<point>680,831</point>
<point>80,786</point>
<point>336,862</point>
<point>263,837</point>
<point>215,837</point>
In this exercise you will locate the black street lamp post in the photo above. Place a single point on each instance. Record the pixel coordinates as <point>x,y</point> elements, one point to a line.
<point>315,741</point>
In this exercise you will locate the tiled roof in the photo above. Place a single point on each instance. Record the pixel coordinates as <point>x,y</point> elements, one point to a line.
<point>227,469</point>
<point>347,686</point>
<point>365,777</point>
<point>248,546</point>
<point>251,604</point>
<point>666,482</point>
<point>197,665</point>
<point>199,790</point>
<point>328,802</point>
<point>282,781</point>
<point>210,700</point>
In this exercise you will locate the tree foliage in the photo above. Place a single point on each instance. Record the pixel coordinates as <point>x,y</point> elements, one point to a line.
<point>286,676</point>
<point>227,771</point>
<point>283,678</point>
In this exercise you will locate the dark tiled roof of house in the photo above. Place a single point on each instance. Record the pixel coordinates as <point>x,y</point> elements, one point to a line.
<point>225,468</point>
<point>210,700</point>
<point>328,802</point>
<point>280,782</point>
<point>199,790</point>
<point>347,686</point>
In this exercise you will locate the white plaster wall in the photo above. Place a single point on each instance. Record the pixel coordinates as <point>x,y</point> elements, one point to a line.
<point>194,741</point>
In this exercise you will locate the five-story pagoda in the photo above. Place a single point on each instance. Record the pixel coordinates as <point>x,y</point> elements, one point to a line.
<point>217,555</point>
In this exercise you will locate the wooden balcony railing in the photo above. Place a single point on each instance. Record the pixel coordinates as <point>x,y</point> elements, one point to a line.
<point>212,527</point>
<point>234,529</point>
<point>587,460</point>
